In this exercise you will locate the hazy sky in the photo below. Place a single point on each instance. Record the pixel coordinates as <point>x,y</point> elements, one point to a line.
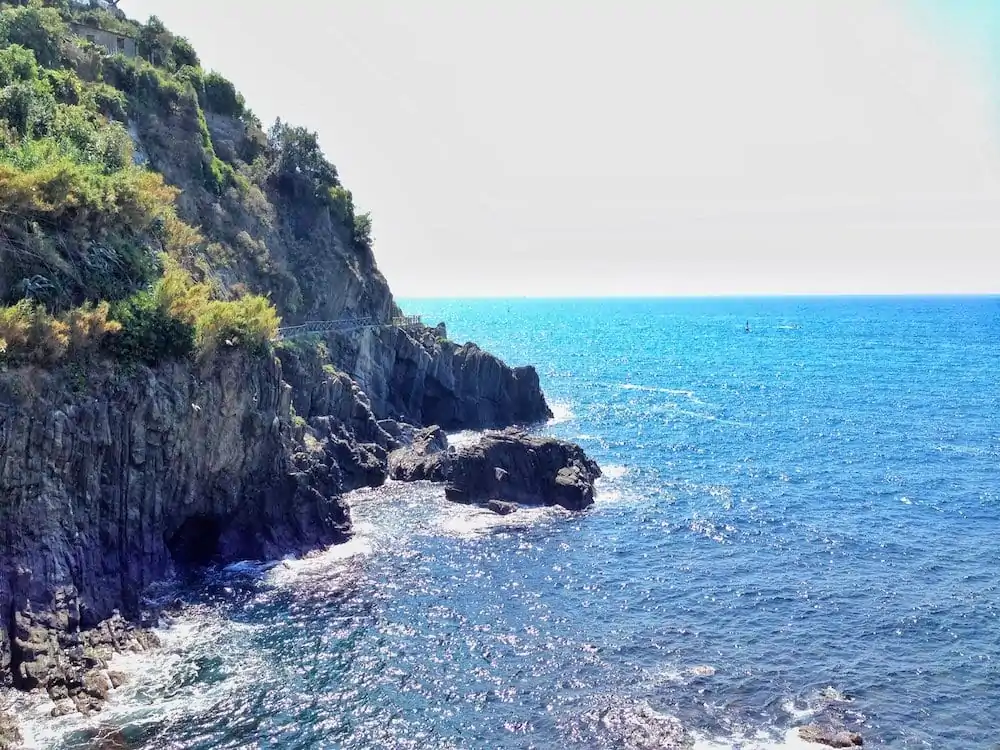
<point>578,147</point>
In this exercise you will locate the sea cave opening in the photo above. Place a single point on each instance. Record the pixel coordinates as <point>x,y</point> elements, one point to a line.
<point>196,542</point>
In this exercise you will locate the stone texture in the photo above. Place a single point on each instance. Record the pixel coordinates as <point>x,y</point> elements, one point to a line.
<point>10,735</point>
<point>516,467</point>
<point>104,489</point>
<point>501,468</point>
<point>830,737</point>
<point>423,459</point>
<point>419,377</point>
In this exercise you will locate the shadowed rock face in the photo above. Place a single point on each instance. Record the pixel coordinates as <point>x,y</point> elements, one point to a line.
<point>417,376</point>
<point>515,467</point>
<point>501,468</point>
<point>104,491</point>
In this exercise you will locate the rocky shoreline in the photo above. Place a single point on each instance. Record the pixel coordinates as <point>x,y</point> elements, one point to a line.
<point>113,484</point>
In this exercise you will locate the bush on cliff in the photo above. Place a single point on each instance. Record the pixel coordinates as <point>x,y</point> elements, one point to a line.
<point>36,27</point>
<point>29,334</point>
<point>249,322</point>
<point>222,97</point>
<point>177,316</point>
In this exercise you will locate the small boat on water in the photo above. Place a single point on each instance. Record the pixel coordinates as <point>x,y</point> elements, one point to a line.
<point>747,329</point>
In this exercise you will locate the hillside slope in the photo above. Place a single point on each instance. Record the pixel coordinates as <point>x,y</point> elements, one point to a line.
<point>152,238</point>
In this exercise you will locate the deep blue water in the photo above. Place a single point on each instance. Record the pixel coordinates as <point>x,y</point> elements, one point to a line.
<point>799,523</point>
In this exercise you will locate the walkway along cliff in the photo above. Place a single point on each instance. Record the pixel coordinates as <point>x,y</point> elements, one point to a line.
<point>150,420</point>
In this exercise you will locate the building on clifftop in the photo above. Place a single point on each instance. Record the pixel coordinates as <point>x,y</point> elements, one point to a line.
<point>113,42</point>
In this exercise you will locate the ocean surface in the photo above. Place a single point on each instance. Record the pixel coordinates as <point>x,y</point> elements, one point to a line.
<point>796,524</point>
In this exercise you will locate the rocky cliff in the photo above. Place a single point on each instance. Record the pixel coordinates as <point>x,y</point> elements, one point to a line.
<point>112,478</point>
<point>422,378</point>
<point>121,463</point>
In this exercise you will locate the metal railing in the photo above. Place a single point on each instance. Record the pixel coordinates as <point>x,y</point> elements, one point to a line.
<point>344,325</point>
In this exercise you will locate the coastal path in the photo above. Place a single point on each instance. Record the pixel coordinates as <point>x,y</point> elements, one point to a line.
<point>343,325</point>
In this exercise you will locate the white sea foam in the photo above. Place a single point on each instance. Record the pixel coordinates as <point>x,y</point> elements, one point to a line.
<point>470,521</point>
<point>789,740</point>
<point>561,412</point>
<point>613,471</point>
<point>359,546</point>
<point>465,437</point>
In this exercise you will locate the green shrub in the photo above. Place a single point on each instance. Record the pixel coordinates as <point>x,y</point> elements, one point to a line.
<point>148,332</point>
<point>17,63</point>
<point>194,77</point>
<point>363,231</point>
<point>222,97</point>
<point>183,53</point>
<point>155,42</point>
<point>77,230</point>
<point>121,73</point>
<point>36,27</point>
<point>298,169</point>
<point>107,100</point>
<point>152,86</point>
<point>66,86</point>
<point>28,107</point>
<point>89,139</point>
<point>342,205</point>
<point>249,322</point>
<point>29,334</point>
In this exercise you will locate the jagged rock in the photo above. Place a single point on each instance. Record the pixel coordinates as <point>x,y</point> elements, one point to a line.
<point>501,508</point>
<point>830,737</point>
<point>10,735</point>
<point>423,459</point>
<point>390,427</point>
<point>108,488</point>
<point>516,467</point>
<point>504,467</point>
<point>62,708</point>
<point>417,376</point>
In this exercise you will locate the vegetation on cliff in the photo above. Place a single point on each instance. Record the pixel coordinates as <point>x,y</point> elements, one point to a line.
<point>144,212</point>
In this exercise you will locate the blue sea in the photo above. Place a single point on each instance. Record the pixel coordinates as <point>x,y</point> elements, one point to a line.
<point>797,524</point>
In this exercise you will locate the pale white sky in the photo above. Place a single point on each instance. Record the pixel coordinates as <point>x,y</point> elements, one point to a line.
<point>646,147</point>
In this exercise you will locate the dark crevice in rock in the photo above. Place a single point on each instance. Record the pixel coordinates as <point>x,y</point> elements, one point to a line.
<point>196,542</point>
<point>16,652</point>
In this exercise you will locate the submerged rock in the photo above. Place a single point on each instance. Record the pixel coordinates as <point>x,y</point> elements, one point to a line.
<point>830,737</point>
<point>501,508</point>
<point>640,727</point>
<point>513,466</point>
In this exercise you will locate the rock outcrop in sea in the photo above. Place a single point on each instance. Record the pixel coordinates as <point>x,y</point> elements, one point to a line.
<point>501,469</point>
<point>830,737</point>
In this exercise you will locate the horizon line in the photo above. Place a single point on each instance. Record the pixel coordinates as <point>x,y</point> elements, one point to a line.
<point>714,295</point>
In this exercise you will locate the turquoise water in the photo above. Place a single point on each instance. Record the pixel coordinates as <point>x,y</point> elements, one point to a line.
<point>798,523</point>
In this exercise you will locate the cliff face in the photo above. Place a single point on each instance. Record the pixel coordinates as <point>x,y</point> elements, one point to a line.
<point>422,378</point>
<point>112,480</point>
<point>114,475</point>
<point>105,488</point>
